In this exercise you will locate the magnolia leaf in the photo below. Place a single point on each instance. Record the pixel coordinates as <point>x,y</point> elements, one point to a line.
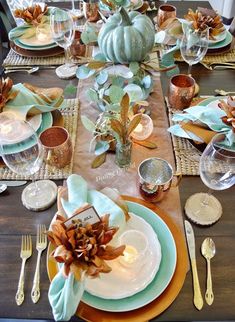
<point>101,147</point>
<point>125,102</point>
<point>134,91</point>
<point>117,127</point>
<point>99,160</point>
<point>115,93</point>
<point>96,64</point>
<point>146,144</point>
<point>88,124</point>
<point>100,57</point>
<point>92,95</point>
<point>134,67</point>
<point>147,81</point>
<point>113,107</point>
<point>142,103</point>
<point>134,122</point>
<point>102,77</point>
<point>84,72</point>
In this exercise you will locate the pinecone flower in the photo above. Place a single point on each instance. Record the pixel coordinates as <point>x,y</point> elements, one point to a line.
<point>31,15</point>
<point>229,109</point>
<point>84,248</point>
<point>6,92</point>
<point>201,21</point>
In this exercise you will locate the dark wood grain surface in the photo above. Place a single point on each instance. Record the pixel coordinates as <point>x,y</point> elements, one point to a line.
<point>15,220</point>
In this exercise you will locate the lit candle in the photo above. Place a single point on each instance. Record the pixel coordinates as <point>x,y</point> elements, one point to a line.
<point>130,255</point>
<point>144,129</point>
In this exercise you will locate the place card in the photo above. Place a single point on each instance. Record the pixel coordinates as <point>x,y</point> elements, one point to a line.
<point>86,214</point>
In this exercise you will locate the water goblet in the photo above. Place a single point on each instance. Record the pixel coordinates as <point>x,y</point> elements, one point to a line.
<point>62,30</point>
<point>194,45</point>
<point>217,171</point>
<point>22,152</point>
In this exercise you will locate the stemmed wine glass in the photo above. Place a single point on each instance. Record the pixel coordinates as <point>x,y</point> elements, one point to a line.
<point>194,45</point>
<point>22,152</point>
<point>62,30</point>
<point>217,171</point>
<point>78,13</point>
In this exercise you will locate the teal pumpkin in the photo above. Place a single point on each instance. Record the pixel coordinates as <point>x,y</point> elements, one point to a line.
<point>126,37</point>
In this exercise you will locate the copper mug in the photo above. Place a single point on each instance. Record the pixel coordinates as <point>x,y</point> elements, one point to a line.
<point>165,11</point>
<point>181,91</point>
<point>156,178</point>
<point>57,146</point>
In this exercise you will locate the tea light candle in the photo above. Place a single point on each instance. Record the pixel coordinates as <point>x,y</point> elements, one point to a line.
<point>144,129</point>
<point>130,255</point>
<point>136,247</point>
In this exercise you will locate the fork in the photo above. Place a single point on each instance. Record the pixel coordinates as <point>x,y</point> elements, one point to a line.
<point>25,253</point>
<point>41,244</point>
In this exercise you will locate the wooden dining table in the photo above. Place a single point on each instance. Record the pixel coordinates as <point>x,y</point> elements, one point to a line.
<point>16,220</point>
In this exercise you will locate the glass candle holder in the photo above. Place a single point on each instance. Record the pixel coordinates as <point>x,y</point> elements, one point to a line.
<point>136,248</point>
<point>144,129</point>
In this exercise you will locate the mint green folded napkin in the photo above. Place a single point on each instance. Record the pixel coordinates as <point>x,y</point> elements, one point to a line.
<point>209,117</point>
<point>65,294</point>
<point>28,102</point>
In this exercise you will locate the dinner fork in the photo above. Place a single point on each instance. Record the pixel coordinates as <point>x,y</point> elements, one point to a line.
<point>41,244</point>
<point>25,253</point>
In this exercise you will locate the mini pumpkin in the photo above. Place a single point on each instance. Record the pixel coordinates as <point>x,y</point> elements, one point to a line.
<point>126,37</point>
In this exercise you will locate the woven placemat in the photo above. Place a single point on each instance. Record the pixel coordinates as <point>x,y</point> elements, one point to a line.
<point>70,115</point>
<point>208,59</point>
<point>186,155</point>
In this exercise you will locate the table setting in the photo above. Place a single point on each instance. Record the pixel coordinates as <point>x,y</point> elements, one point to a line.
<point>107,235</point>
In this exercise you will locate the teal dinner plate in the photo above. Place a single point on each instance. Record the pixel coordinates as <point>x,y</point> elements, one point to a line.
<point>47,121</point>
<point>161,279</point>
<point>227,40</point>
<point>21,45</point>
<point>208,100</point>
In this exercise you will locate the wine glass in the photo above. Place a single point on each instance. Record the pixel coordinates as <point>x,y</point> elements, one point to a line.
<point>77,13</point>
<point>22,152</point>
<point>62,29</point>
<point>217,171</point>
<point>194,45</point>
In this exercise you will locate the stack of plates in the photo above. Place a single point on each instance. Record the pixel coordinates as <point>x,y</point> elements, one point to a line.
<point>124,290</point>
<point>221,42</point>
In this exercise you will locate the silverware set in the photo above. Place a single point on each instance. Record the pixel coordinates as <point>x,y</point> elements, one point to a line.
<point>222,65</point>
<point>27,69</point>
<point>25,253</point>
<point>208,251</point>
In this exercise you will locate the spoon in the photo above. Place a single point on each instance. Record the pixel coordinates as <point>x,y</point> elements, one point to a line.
<point>3,187</point>
<point>208,251</point>
<point>29,71</point>
<point>222,92</point>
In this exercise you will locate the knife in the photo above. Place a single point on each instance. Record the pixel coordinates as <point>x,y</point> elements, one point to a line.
<point>197,299</point>
<point>13,183</point>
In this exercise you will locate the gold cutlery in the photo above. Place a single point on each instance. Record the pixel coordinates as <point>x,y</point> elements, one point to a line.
<point>208,251</point>
<point>224,66</point>
<point>197,299</point>
<point>25,253</point>
<point>41,245</point>
<point>222,92</point>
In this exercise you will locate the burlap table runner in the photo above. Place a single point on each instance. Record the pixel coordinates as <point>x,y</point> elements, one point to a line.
<point>109,174</point>
<point>70,115</point>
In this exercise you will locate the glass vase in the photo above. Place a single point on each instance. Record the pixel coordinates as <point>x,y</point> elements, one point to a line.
<point>123,154</point>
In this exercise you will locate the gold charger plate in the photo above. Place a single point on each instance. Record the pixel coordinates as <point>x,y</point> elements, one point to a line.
<point>160,304</point>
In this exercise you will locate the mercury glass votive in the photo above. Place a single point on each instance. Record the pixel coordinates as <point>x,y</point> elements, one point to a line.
<point>136,248</point>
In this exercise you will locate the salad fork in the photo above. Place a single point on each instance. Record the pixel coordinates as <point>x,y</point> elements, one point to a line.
<point>41,245</point>
<point>25,253</point>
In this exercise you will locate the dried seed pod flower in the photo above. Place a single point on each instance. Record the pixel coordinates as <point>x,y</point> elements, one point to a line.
<point>6,92</point>
<point>84,248</point>
<point>32,15</point>
<point>229,109</point>
<point>201,20</point>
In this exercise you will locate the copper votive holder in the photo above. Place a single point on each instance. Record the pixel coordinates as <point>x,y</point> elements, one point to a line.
<point>181,91</point>
<point>77,48</point>
<point>165,11</point>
